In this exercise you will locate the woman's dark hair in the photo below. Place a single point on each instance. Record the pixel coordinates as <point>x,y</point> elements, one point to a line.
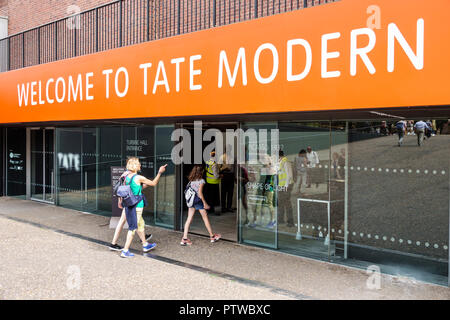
<point>303,151</point>
<point>196,173</point>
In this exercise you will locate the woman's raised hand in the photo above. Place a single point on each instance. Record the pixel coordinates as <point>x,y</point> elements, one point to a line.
<point>162,168</point>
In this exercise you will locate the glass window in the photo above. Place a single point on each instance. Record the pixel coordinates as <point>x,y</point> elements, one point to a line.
<point>86,155</point>
<point>143,148</point>
<point>398,198</point>
<point>90,160</point>
<point>37,164</point>
<point>164,199</point>
<point>69,168</point>
<point>356,193</point>
<point>109,155</point>
<point>16,162</point>
<point>258,181</point>
<point>305,206</point>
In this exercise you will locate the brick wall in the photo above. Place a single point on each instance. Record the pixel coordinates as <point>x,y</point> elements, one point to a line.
<point>4,8</point>
<point>105,28</point>
<point>27,14</point>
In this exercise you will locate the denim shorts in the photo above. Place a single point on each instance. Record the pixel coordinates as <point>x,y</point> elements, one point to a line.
<point>198,204</point>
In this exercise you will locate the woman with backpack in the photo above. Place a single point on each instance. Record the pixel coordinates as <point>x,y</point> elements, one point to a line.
<point>195,187</point>
<point>134,216</point>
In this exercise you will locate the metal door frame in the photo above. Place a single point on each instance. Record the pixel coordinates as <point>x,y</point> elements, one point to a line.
<point>52,187</point>
<point>182,125</point>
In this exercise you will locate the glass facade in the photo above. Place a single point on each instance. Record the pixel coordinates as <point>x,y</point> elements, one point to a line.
<point>338,191</point>
<point>86,155</point>
<point>258,185</point>
<point>346,192</point>
<point>42,164</point>
<point>16,162</point>
<point>164,200</point>
<point>398,201</point>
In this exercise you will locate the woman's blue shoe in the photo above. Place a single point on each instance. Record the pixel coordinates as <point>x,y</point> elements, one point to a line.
<point>126,254</point>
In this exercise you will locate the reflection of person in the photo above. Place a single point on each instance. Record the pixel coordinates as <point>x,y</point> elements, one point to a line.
<point>243,180</point>
<point>419,128</point>
<point>341,163</point>
<point>268,173</point>
<point>429,129</point>
<point>445,128</point>
<point>401,130</point>
<point>434,127</point>
<point>264,192</point>
<point>227,180</point>
<point>285,181</point>
<point>136,181</point>
<point>301,163</point>
<point>212,191</point>
<point>384,128</point>
<point>335,166</point>
<point>410,127</point>
<point>197,183</point>
<point>313,161</point>
<point>254,194</point>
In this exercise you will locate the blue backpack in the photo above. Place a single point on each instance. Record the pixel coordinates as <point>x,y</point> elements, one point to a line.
<point>129,199</point>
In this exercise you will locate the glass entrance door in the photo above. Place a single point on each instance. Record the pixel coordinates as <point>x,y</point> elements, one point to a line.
<point>258,184</point>
<point>222,197</point>
<point>42,164</point>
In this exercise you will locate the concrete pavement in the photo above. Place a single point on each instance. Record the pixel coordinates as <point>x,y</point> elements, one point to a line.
<point>50,252</point>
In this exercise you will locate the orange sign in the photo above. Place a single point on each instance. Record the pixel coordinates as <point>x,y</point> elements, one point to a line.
<point>343,55</point>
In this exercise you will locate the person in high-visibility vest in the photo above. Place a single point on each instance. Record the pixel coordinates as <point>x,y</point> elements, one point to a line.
<point>227,175</point>
<point>284,188</point>
<point>212,190</point>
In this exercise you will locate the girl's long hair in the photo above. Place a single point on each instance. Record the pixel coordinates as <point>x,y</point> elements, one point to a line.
<point>196,173</point>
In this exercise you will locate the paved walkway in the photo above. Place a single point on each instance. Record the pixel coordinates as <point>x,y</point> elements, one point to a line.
<point>51,252</point>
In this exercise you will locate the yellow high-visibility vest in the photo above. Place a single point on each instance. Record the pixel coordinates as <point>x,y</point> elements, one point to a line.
<point>282,174</point>
<point>209,173</point>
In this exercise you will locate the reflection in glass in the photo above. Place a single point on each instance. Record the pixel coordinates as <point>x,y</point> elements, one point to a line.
<point>398,208</point>
<point>258,184</point>
<point>16,162</point>
<point>109,155</point>
<point>69,168</point>
<point>37,164</point>
<point>143,148</point>
<point>356,196</point>
<point>306,194</point>
<point>49,170</point>
<point>89,170</point>
<point>164,203</point>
